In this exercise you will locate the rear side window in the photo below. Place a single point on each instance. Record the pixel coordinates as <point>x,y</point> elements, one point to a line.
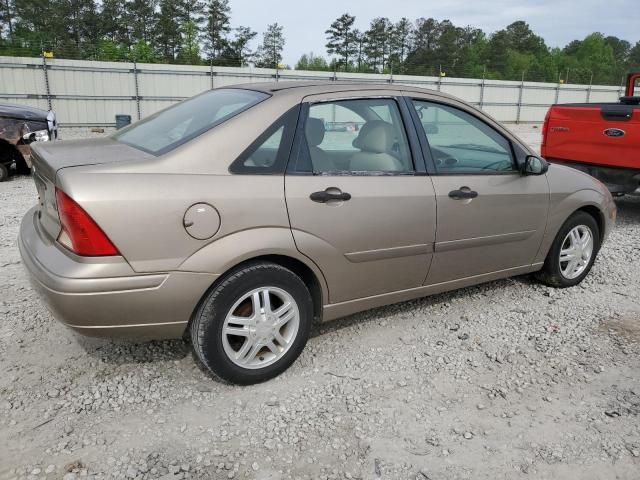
<point>269,153</point>
<point>169,128</point>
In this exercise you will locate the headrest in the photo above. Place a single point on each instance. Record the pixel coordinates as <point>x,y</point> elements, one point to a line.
<point>315,131</point>
<point>375,136</point>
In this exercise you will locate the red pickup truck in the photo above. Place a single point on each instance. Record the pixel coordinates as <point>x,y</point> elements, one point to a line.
<point>601,139</point>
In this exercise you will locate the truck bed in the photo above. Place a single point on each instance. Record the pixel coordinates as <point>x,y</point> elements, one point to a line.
<point>602,134</point>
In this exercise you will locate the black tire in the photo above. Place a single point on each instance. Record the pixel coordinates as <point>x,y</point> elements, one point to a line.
<point>21,166</point>
<point>551,273</point>
<point>207,326</point>
<point>4,172</point>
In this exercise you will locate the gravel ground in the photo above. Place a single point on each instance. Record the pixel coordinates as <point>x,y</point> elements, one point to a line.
<point>507,380</point>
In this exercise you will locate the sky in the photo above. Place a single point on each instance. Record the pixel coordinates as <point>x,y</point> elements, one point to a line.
<point>557,21</point>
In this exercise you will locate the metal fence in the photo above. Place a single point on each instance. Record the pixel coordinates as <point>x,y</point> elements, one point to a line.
<point>88,93</point>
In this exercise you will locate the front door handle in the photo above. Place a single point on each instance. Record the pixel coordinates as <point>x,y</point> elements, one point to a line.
<point>463,193</point>
<point>329,194</point>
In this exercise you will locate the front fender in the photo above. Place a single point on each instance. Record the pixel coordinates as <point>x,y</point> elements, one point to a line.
<point>564,205</point>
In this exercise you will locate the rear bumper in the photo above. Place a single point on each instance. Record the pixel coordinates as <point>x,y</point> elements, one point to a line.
<point>104,296</point>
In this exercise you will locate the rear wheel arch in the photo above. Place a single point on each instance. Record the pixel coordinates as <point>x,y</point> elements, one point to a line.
<point>298,267</point>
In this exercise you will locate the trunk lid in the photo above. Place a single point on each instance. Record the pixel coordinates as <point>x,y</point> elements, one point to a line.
<point>49,158</point>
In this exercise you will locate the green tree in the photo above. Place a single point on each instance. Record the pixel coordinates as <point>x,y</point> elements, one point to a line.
<point>82,21</point>
<point>240,51</point>
<point>634,58</point>
<point>141,17</point>
<point>360,40</point>
<point>217,27</point>
<point>422,59</point>
<point>7,17</point>
<point>192,11</point>
<point>270,52</point>
<point>377,43</point>
<point>400,43</point>
<point>113,23</point>
<point>591,57</point>
<point>167,35</point>
<point>312,62</point>
<point>340,39</point>
<point>142,52</point>
<point>189,50</point>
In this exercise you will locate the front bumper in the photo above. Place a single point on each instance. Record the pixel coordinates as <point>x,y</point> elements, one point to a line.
<point>103,296</point>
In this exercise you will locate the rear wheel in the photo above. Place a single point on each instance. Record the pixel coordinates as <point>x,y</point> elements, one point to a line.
<point>4,172</point>
<point>254,324</point>
<point>572,253</point>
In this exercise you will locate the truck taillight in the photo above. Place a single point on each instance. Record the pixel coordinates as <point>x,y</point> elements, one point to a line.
<point>545,132</point>
<point>80,233</point>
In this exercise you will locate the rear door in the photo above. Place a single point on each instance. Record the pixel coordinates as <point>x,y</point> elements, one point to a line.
<point>358,206</point>
<point>490,217</point>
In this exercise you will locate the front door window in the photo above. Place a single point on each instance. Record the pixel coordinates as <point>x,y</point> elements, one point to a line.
<point>461,143</point>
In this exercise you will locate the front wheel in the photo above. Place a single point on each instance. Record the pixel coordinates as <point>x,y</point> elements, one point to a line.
<point>254,324</point>
<point>572,253</point>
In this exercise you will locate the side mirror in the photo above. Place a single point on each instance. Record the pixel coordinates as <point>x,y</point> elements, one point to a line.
<point>534,165</point>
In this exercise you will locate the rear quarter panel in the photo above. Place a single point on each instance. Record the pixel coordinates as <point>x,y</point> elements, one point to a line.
<point>141,205</point>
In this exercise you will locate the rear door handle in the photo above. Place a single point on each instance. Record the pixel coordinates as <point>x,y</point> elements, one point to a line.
<point>463,193</point>
<point>327,195</point>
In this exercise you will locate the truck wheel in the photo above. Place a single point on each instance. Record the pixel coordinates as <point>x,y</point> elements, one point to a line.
<point>21,166</point>
<point>4,172</point>
<point>254,324</point>
<point>572,253</point>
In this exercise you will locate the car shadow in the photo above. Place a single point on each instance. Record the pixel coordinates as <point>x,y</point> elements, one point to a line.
<point>122,352</point>
<point>410,306</point>
<point>628,209</point>
<point>119,352</point>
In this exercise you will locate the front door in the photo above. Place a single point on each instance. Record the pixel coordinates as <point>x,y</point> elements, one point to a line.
<point>356,205</point>
<point>491,218</point>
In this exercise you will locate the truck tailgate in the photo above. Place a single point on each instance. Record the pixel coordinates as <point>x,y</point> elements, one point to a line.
<point>601,134</point>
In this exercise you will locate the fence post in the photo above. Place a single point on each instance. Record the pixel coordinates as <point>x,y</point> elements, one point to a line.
<point>621,89</point>
<point>135,80</point>
<point>45,70</point>
<point>558,89</point>
<point>484,72</point>
<point>211,71</point>
<point>439,77</point>
<point>589,88</point>
<point>520,100</point>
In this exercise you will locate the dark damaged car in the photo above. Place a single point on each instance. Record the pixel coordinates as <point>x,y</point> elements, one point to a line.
<point>20,126</point>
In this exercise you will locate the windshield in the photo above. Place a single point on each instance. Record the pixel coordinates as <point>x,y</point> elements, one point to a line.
<point>165,130</point>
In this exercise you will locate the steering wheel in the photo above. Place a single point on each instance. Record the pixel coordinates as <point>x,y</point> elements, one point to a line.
<point>442,158</point>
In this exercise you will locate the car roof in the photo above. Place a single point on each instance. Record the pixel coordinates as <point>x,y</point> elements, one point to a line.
<point>304,88</point>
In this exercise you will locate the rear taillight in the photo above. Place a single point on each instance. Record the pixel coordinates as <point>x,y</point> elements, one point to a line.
<point>545,132</point>
<point>80,233</point>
